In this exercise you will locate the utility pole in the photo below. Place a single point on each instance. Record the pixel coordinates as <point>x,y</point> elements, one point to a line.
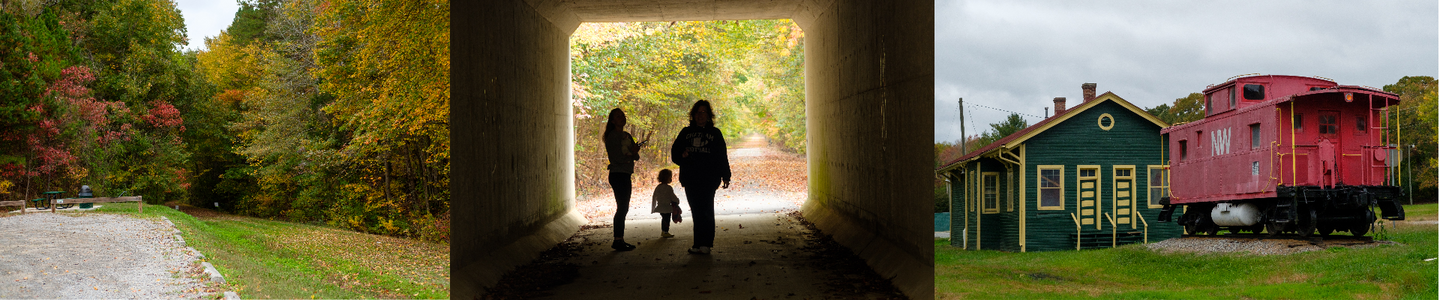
<point>963,150</point>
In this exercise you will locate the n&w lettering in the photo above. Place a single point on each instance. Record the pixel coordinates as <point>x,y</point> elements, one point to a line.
<point>1220,141</point>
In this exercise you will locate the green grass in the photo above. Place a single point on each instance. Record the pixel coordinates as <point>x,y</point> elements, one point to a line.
<point>1421,212</point>
<point>273,259</point>
<point>1131,272</point>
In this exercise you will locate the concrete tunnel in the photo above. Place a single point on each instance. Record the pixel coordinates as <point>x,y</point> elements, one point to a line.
<point>869,74</point>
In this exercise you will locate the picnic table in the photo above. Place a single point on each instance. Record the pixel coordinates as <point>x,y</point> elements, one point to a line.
<point>84,198</point>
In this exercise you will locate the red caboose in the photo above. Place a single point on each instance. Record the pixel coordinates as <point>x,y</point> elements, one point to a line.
<point>1284,154</point>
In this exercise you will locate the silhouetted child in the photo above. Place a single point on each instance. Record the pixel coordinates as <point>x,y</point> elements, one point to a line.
<point>665,203</point>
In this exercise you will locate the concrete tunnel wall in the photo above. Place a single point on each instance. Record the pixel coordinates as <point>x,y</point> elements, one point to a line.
<point>869,76</point>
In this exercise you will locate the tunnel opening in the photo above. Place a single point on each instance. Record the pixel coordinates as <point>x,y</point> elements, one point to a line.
<point>751,71</point>
<point>869,75</point>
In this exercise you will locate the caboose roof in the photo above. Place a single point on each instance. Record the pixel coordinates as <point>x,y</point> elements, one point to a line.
<point>1014,140</point>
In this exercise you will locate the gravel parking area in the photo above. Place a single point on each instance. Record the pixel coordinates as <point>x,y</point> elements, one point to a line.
<point>1253,246</point>
<point>95,256</point>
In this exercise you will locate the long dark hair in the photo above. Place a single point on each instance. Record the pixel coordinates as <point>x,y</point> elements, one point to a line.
<point>610,123</point>
<point>696,109</point>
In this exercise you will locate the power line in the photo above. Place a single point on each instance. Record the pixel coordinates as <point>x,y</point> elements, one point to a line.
<point>1018,113</point>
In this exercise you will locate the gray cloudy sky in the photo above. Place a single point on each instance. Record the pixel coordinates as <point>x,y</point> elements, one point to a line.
<point>1018,55</point>
<point>205,18</point>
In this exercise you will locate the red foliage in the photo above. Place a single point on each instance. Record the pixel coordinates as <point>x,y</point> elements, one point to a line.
<point>164,115</point>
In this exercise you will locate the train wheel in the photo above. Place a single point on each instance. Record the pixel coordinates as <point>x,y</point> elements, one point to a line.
<point>1325,229</point>
<point>1360,229</point>
<point>1307,223</point>
<point>1273,228</point>
<point>1212,230</point>
<point>1190,229</point>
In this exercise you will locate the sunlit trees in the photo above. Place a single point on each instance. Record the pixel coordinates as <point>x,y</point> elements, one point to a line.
<point>750,70</point>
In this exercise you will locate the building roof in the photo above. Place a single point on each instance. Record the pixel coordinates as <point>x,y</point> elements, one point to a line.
<point>1015,139</point>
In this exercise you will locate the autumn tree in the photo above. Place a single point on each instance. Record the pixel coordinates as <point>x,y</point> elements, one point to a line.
<point>1416,127</point>
<point>1185,109</point>
<point>387,63</point>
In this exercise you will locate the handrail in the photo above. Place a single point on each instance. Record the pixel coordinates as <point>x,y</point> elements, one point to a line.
<point>1113,233</point>
<point>1077,230</point>
<point>1147,226</point>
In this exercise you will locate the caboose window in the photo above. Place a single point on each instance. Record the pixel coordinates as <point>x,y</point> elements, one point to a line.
<point>1300,122</point>
<point>1232,97</point>
<point>1360,125</point>
<point>1254,136</point>
<point>1254,92</point>
<point>1051,187</point>
<point>1183,150</point>
<point>1328,124</point>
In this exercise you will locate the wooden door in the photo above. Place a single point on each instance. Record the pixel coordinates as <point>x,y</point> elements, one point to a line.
<point>1122,197</point>
<point>1088,195</point>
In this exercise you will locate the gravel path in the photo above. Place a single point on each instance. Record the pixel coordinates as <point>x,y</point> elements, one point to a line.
<point>95,256</point>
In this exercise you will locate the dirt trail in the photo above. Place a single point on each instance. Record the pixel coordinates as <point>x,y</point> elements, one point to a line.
<point>764,179</point>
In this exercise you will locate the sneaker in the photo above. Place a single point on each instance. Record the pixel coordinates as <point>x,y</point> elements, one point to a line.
<point>666,235</point>
<point>705,249</point>
<point>699,250</point>
<point>622,246</point>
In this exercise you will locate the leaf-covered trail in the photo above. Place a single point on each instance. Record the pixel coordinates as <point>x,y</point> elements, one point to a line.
<point>763,180</point>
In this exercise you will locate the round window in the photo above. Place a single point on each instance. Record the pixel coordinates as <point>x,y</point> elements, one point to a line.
<point>1106,122</point>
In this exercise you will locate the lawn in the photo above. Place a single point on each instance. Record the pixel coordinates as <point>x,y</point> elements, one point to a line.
<point>1132,272</point>
<point>272,259</point>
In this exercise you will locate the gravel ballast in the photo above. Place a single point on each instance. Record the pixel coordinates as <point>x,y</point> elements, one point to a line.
<point>1205,245</point>
<point>91,256</point>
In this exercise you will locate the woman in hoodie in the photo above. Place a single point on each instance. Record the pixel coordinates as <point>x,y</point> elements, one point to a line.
<point>699,150</point>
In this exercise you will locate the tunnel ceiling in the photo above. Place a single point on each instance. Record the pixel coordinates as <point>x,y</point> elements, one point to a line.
<point>666,10</point>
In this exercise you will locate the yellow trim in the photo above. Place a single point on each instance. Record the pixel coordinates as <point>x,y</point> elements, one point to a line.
<point>984,190</point>
<point>978,207</point>
<point>1022,198</point>
<point>1039,184</point>
<point>1115,193</point>
<point>1101,121</point>
<point>1108,96</point>
<point>1079,209</point>
<point>1151,199</point>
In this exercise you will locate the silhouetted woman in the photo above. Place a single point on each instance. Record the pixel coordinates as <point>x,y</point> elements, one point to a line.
<point>699,150</point>
<point>622,150</point>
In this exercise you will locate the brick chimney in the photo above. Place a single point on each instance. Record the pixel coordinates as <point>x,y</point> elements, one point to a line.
<point>1059,106</point>
<point>1089,91</point>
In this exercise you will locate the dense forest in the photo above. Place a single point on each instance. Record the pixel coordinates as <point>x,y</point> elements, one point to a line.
<point>751,71</point>
<point>1414,120</point>
<point>333,112</point>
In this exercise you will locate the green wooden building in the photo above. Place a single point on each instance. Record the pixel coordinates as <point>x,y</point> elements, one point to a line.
<point>1088,177</point>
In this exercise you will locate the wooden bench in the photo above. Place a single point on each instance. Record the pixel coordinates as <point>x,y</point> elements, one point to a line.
<point>140,206</point>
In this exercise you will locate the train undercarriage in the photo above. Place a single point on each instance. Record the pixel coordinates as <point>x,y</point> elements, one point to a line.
<point>1301,210</point>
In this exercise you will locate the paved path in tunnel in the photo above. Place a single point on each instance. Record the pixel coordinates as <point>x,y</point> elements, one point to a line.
<point>766,259</point>
<point>763,180</point>
<point>762,251</point>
